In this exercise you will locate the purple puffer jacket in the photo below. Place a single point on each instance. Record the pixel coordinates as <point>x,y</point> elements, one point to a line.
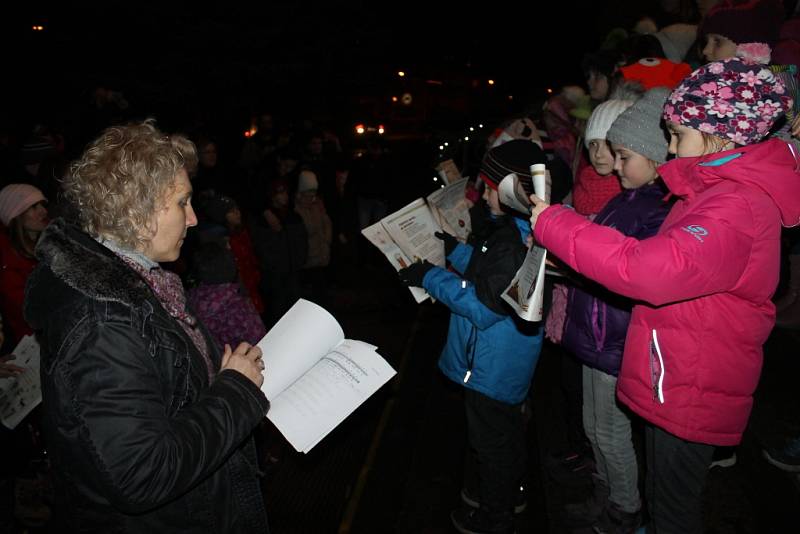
<point>228,313</point>
<point>597,319</point>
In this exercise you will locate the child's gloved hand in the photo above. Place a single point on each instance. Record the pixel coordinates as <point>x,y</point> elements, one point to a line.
<point>450,242</point>
<point>414,273</point>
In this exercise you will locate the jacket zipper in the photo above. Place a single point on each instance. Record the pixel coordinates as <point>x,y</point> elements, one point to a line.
<point>656,369</point>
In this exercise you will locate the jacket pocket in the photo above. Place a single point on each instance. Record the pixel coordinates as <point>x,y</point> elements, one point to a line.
<point>657,370</point>
<point>171,355</point>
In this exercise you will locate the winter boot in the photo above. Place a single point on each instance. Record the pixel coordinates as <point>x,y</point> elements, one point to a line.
<point>468,520</point>
<point>615,521</point>
<point>584,514</point>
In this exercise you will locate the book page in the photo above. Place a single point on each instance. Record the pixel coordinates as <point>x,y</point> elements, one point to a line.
<point>451,203</point>
<point>448,171</point>
<point>20,394</point>
<point>412,228</point>
<point>377,235</point>
<point>331,390</point>
<point>512,194</point>
<point>298,340</point>
<point>525,294</point>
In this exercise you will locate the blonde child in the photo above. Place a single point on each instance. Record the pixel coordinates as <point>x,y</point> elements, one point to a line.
<point>693,350</point>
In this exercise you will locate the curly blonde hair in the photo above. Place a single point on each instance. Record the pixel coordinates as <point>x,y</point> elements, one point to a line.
<point>122,179</point>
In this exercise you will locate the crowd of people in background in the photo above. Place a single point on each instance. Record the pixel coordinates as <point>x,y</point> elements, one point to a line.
<point>683,137</point>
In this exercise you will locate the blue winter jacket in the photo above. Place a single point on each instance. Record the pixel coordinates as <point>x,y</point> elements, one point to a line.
<point>485,336</point>
<point>597,319</point>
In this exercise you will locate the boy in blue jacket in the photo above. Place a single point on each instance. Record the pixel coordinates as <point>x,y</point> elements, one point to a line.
<point>489,350</point>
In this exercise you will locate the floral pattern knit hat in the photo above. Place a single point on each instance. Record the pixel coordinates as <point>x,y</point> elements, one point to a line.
<point>736,99</point>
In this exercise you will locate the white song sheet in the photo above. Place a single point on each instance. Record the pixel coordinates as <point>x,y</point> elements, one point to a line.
<point>20,394</point>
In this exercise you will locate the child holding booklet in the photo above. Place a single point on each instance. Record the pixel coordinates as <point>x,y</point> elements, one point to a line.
<point>693,350</point>
<point>597,320</point>
<point>489,350</point>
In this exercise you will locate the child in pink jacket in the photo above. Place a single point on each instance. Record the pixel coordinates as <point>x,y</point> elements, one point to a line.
<point>693,351</point>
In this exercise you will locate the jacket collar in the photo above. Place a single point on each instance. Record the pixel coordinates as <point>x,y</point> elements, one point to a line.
<point>772,167</point>
<point>88,267</point>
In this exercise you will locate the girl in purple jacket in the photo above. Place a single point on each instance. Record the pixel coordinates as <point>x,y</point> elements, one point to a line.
<point>693,350</point>
<point>597,320</point>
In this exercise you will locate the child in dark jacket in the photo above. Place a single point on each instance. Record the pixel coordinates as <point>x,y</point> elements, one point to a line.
<point>219,300</point>
<point>597,320</point>
<point>489,350</point>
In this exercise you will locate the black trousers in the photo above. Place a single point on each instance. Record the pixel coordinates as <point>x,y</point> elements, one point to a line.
<point>676,475</point>
<point>496,457</point>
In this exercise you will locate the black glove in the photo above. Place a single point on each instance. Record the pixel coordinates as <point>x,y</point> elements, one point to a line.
<point>450,242</point>
<point>414,273</point>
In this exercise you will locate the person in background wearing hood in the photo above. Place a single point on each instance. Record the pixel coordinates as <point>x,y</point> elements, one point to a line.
<point>693,351</point>
<point>489,350</point>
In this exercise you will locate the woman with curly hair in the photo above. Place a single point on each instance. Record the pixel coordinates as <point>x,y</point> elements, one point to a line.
<point>149,426</point>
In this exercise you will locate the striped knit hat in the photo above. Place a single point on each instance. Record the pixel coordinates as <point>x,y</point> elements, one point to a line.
<point>514,156</point>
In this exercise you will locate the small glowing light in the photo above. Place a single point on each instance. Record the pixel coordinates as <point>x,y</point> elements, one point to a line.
<point>247,133</point>
<point>401,73</point>
<point>360,129</point>
<point>441,147</point>
<point>381,129</point>
<point>491,82</point>
<point>471,129</point>
<point>466,138</point>
<point>446,144</point>
<point>511,97</point>
<point>394,99</point>
<point>549,91</point>
<point>37,28</point>
<point>435,179</point>
<point>480,126</point>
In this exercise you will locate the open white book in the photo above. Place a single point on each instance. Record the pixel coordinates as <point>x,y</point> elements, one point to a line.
<point>450,207</point>
<point>406,236</point>
<point>314,377</point>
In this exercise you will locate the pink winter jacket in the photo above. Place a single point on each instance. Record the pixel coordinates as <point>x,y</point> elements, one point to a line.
<point>693,350</point>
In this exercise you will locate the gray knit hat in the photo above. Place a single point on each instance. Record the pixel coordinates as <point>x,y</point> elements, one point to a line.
<point>639,129</point>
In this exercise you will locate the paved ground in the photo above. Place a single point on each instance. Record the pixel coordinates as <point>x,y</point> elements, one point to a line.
<point>394,466</point>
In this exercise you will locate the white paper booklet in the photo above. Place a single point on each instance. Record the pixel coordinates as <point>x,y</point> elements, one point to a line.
<point>406,236</point>
<point>22,393</point>
<point>511,193</point>
<point>449,206</point>
<point>314,377</point>
<point>448,172</point>
<point>525,294</point>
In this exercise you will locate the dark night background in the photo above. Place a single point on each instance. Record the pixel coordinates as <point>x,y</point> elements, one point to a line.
<point>334,61</point>
<point>213,66</point>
